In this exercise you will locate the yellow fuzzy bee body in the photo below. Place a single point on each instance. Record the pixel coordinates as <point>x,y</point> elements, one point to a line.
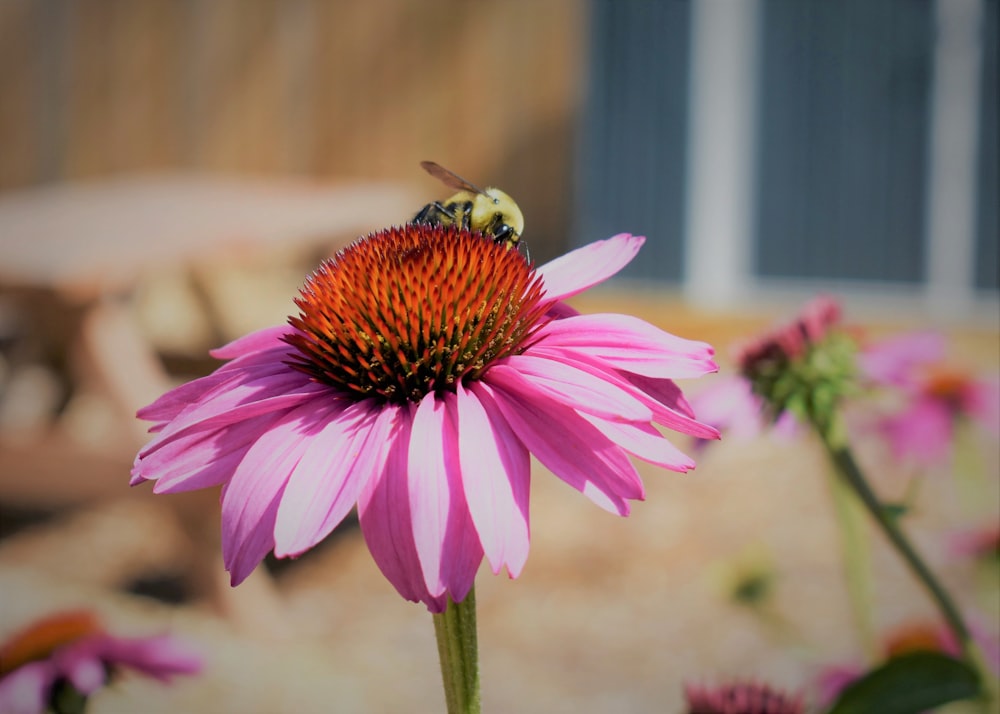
<point>489,211</point>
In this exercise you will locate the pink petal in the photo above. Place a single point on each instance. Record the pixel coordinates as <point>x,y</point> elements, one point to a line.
<point>384,514</point>
<point>923,432</point>
<point>26,689</point>
<point>442,527</point>
<point>981,401</point>
<point>567,445</point>
<point>202,458</point>
<point>560,311</point>
<point>585,267</point>
<point>325,484</point>
<point>644,442</point>
<point>254,342</point>
<point>237,404</point>
<point>893,361</point>
<point>84,671</point>
<point>664,391</point>
<point>496,470</point>
<point>629,344</point>
<point>576,388</point>
<point>730,404</point>
<point>160,656</point>
<point>661,396</point>
<point>174,402</point>
<point>250,498</point>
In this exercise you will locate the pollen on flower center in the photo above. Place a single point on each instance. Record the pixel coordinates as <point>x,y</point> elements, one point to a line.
<point>414,309</point>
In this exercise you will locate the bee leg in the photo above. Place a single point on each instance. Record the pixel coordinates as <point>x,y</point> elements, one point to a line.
<point>434,214</point>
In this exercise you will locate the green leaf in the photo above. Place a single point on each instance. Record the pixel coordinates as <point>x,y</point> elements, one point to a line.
<point>909,684</point>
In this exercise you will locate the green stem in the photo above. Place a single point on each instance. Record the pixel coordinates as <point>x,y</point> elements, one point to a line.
<point>455,629</point>
<point>857,563</point>
<point>852,474</point>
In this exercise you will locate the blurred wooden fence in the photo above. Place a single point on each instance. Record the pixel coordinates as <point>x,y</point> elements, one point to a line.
<point>314,87</point>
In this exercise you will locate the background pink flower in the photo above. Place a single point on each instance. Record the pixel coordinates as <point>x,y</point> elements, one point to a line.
<point>425,366</point>
<point>934,396</point>
<point>729,405</point>
<point>72,647</point>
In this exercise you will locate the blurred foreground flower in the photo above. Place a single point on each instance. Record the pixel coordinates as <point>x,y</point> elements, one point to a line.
<point>59,661</point>
<point>935,396</point>
<point>424,367</point>
<point>741,698</point>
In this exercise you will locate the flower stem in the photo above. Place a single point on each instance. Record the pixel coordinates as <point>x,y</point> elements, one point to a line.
<point>843,460</point>
<point>857,563</point>
<point>455,629</point>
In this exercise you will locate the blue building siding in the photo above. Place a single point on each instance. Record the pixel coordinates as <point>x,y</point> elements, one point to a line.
<point>842,139</point>
<point>631,165</point>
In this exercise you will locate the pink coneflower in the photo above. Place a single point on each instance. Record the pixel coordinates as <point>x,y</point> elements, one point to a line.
<point>935,396</point>
<point>71,650</point>
<point>425,366</point>
<point>741,698</point>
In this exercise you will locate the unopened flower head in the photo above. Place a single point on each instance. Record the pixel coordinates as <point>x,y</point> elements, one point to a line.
<point>804,366</point>
<point>57,662</point>
<point>425,366</point>
<point>741,698</point>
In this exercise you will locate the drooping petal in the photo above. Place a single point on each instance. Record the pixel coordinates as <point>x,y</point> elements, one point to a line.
<point>246,401</point>
<point>569,446</point>
<point>644,442</point>
<point>661,396</point>
<point>202,458</point>
<point>250,498</point>
<point>442,527</point>
<point>384,514</point>
<point>496,470</point>
<point>585,267</point>
<point>576,388</point>
<point>325,484</point>
<point>629,344</point>
<point>172,403</point>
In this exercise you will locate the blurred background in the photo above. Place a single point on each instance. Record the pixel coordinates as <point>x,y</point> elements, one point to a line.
<point>170,170</point>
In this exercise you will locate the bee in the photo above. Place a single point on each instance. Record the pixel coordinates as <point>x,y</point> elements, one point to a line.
<point>489,211</point>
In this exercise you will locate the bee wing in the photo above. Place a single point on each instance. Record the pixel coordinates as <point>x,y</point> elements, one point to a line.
<point>449,178</point>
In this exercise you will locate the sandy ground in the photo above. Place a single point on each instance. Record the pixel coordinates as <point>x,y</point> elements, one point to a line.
<point>610,614</point>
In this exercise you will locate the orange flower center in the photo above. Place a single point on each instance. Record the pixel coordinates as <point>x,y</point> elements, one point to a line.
<point>412,310</point>
<point>41,639</point>
<point>945,383</point>
<point>913,637</point>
